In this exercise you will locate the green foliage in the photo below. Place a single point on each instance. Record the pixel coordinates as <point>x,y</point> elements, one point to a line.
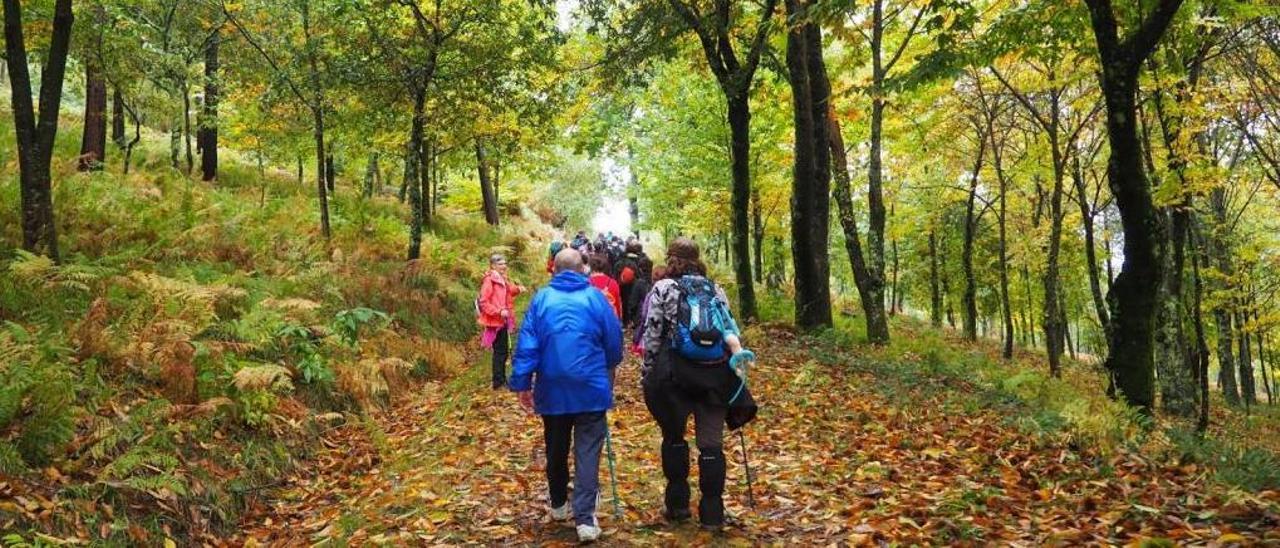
<point>347,323</point>
<point>37,396</point>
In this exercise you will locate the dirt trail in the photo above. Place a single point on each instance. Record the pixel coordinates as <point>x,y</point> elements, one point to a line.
<point>834,460</point>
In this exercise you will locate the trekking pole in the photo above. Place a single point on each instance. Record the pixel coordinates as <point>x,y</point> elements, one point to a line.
<point>613,479</point>
<point>751,499</point>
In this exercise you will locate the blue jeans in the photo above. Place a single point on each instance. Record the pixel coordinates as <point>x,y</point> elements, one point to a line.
<point>587,432</point>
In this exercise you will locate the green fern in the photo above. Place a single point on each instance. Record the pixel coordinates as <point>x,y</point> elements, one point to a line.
<point>36,399</point>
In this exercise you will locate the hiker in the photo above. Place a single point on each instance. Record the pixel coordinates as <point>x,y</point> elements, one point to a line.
<point>496,314</point>
<point>556,246</point>
<point>626,270</point>
<point>635,281</point>
<point>600,279</point>
<point>640,293</point>
<point>568,348</point>
<point>687,371</point>
<point>580,241</point>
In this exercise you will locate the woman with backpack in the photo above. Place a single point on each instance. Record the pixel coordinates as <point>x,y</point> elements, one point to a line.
<point>690,339</point>
<point>495,312</point>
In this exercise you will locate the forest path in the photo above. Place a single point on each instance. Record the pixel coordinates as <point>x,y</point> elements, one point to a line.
<point>835,458</point>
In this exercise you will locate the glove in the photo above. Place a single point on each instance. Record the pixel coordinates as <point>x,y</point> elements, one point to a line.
<point>741,361</point>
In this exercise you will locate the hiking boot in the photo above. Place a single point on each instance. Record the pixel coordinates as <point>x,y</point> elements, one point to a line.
<point>589,532</point>
<point>562,513</point>
<point>711,470</point>
<point>675,466</point>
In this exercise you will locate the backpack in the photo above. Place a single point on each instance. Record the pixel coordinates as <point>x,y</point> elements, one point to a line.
<point>613,303</point>
<point>700,322</point>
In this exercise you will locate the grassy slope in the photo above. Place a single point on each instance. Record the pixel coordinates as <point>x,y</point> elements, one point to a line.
<point>174,293</point>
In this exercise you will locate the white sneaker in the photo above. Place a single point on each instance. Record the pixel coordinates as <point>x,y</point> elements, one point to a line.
<point>562,513</point>
<point>588,533</point>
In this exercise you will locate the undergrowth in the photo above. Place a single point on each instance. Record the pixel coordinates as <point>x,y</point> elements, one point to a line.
<point>198,337</point>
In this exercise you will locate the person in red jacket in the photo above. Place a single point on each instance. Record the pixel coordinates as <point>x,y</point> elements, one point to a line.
<point>600,280</point>
<point>496,307</point>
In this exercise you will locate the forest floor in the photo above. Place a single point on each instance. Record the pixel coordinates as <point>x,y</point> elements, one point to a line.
<point>844,451</point>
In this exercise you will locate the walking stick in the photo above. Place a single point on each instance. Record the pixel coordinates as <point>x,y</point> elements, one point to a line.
<point>613,479</point>
<point>751,499</point>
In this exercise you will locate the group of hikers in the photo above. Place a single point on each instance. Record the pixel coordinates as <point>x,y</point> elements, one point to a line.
<point>571,341</point>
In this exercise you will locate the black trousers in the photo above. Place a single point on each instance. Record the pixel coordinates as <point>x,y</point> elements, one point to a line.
<point>671,408</point>
<point>501,349</point>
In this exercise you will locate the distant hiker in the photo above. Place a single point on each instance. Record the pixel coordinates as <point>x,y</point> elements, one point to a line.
<point>556,246</point>
<point>658,274</point>
<point>568,348</point>
<point>601,280</point>
<point>689,339</point>
<point>580,242</point>
<point>626,269</point>
<point>496,314</point>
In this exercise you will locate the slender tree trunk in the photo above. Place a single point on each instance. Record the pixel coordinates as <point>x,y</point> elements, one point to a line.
<point>426,154</point>
<point>739,112</point>
<point>1198,256</point>
<point>93,141</point>
<point>1006,307</point>
<point>370,174</point>
<point>486,186</point>
<point>413,175</point>
<point>946,284</point>
<point>894,295</point>
<point>811,181</point>
<point>935,290</point>
<point>1090,248</point>
<point>186,126</point>
<point>1053,325</point>
<point>757,235</point>
<point>36,137</point>
<point>117,118</point>
<point>877,326</point>
<point>301,175</point>
<point>209,119</point>
<point>1248,390</point>
<point>322,191</point>
<point>1262,359</point>
<point>1030,314</point>
<point>330,172</point>
<point>966,254</point>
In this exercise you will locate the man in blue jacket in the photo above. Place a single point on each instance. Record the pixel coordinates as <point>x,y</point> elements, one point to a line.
<point>569,345</point>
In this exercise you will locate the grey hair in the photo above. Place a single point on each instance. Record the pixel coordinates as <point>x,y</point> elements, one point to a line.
<point>568,260</point>
<point>497,258</point>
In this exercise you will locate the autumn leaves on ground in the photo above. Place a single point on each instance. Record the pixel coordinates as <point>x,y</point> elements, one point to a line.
<point>856,447</point>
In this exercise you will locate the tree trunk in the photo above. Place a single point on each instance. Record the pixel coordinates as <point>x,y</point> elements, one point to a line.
<point>740,157</point>
<point>322,191</point>
<point>93,141</point>
<point>301,175</point>
<point>1248,390</point>
<point>413,176</point>
<point>1133,297</point>
<point>209,119</point>
<point>186,126</point>
<point>1006,307</point>
<point>1090,248</point>
<point>877,328</point>
<point>117,118</point>
<point>935,291</point>
<point>810,208</point>
<point>757,235</point>
<point>486,186</point>
<point>1176,362</point>
<point>330,172</point>
<point>426,153</point>
<point>966,253</point>
<point>370,174</point>
<point>35,137</point>
<point>1053,325</point>
<point>895,295</point>
<point>1198,256</point>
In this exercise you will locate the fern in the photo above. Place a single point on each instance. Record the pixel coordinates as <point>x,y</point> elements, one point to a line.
<point>36,397</point>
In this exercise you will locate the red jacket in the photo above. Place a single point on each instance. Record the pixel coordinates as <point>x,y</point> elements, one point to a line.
<point>497,294</point>
<point>610,290</point>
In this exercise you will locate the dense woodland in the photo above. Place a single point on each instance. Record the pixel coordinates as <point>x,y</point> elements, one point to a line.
<point>233,230</point>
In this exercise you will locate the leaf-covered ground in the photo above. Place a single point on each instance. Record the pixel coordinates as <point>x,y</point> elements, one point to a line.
<point>836,458</point>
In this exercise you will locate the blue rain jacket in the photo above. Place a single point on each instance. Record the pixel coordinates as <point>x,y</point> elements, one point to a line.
<point>569,343</point>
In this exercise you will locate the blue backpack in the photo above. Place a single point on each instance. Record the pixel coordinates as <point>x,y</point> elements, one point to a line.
<point>700,322</point>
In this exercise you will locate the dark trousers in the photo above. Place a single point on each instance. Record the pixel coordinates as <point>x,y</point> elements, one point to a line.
<point>587,433</point>
<point>501,348</point>
<point>670,408</point>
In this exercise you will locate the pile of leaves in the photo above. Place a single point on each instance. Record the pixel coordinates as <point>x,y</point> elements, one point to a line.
<point>835,456</point>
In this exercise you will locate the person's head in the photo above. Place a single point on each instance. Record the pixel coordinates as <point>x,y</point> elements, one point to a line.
<point>498,262</point>
<point>659,272</point>
<point>683,259</point>
<point>645,265</point>
<point>568,260</point>
<point>634,247</point>
<point>599,263</point>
